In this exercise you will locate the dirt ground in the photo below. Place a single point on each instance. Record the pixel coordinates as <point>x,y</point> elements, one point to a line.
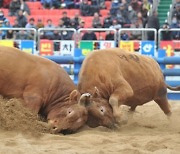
<point>148,132</point>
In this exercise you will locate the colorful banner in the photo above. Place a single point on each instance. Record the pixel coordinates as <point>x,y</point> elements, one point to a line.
<point>27,46</point>
<point>147,48</point>
<point>127,45</point>
<point>46,47</point>
<point>168,46</point>
<point>67,48</point>
<point>86,46</point>
<point>8,43</point>
<point>107,44</point>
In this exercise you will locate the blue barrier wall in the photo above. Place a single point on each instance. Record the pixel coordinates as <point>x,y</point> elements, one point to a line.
<point>161,59</point>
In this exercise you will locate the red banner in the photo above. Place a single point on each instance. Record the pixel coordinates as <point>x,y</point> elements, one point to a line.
<point>46,47</point>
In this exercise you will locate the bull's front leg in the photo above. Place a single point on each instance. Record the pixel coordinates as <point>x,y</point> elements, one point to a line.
<point>32,99</point>
<point>118,98</point>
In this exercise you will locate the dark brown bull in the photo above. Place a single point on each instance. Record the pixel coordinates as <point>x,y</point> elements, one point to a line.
<point>120,78</point>
<point>44,86</point>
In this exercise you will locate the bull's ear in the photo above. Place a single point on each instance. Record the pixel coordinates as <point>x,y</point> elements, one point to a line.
<point>75,95</point>
<point>96,92</point>
<point>85,99</point>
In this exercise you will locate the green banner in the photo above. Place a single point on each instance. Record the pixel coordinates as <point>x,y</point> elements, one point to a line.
<point>86,46</point>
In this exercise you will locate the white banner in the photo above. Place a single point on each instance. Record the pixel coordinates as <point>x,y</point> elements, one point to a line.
<point>67,48</point>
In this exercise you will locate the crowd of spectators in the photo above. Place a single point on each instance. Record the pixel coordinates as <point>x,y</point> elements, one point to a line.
<point>122,14</point>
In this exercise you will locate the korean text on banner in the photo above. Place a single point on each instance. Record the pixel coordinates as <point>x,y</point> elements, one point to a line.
<point>46,47</point>
<point>67,48</point>
<point>127,45</point>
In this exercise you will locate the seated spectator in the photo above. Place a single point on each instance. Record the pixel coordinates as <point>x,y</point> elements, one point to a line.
<point>109,35</point>
<point>39,24</point>
<point>31,23</point>
<point>77,19</point>
<point>132,15</point>
<point>14,7</point>
<point>85,8</point>
<point>6,3</point>
<point>99,3</point>
<point>68,4</point>
<point>66,20</point>
<point>136,5</point>
<point>175,24</point>
<point>114,7</point>
<point>56,4</point>
<point>2,17</point>
<point>22,35</point>
<point>66,35</point>
<point>6,24</point>
<point>2,36</point>
<point>96,22</point>
<point>107,21</point>
<point>77,4</point>
<point>122,15</point>
<point>176,11</point>
<point>115,25</point>
<point>49,33</point>
<point>82,24</point>
<point>89,35</point>
<point>73,24</point>
<point>22,20</point>
<point>16,24</point>
<point>136,35</point>
<point>25,8</point>
<point>10,35</point>
<point>61,24</point>
<point>94,7</point>
<point>56,36</point>
<point>166,33</point>
<point>124,36</point>
<point>47,4</point>
<point>144,13</point>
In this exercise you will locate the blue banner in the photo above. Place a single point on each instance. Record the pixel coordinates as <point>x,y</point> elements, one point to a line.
<point>147,48</point>
<point>27,46</point>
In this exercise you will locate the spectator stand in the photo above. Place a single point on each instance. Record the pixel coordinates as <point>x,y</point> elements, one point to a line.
<point>22,38</point>
<point>143,46</point>
<point>100,42</point>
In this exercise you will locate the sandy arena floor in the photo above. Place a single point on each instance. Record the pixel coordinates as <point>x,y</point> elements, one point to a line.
<point>148,132</point>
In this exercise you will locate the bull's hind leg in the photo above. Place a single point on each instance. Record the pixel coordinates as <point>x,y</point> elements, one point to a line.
<point>118,97</point>
<point>164,105</point>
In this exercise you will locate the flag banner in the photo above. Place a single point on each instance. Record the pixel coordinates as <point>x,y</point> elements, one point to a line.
<point>46,47</point>
<point>67,48</point>
<point>9,43</point>
<point>127,45</point>
<point>27,46</point>
<point>147,48</point>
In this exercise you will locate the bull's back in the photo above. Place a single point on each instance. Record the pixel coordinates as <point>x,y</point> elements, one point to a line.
<point>19,69</point>
<point>110,65</point>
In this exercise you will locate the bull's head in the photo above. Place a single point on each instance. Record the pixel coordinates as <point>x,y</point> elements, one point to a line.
<point>100,112</point>
<point>67,119</point>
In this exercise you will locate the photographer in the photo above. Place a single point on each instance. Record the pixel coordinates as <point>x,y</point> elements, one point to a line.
<point>166,33</point>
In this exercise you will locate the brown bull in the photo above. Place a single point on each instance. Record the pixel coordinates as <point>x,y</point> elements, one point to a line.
<point>45,88</point>
<point>121,78</point>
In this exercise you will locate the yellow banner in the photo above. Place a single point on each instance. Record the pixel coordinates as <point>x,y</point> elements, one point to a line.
<point>8,43</point>
<point>127,45</point>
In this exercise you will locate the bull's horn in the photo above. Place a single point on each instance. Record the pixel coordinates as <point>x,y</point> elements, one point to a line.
<point>85,99</point>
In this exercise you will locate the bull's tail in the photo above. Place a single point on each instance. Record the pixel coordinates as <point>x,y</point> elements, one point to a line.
<point>173,88</point>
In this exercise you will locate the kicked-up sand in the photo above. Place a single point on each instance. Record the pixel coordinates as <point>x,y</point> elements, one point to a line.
<point>148,132</point>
